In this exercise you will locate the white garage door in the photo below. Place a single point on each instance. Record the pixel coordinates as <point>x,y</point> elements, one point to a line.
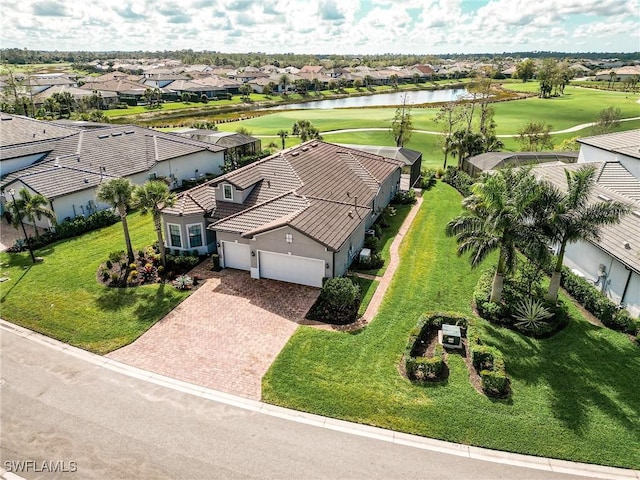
<point>236,255</point>
<point>289,268</point>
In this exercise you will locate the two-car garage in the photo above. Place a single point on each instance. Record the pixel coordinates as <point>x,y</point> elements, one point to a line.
<point>275,266</point>
<point>291,268</point>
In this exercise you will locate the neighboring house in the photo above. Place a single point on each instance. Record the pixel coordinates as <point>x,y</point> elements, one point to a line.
<point>483,162</point>
<point>24,141</point>
<point>236,145</point>
<point>623,147</point>
<point>613,262</point>
<point>161,80</point>
<point>297,216</point>
<point>621,74</point>
<point>68,169</point>
<point>108,98</point>
<point>412,159</point>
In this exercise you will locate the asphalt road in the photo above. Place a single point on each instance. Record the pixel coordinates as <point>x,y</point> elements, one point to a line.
<point>59,408</point>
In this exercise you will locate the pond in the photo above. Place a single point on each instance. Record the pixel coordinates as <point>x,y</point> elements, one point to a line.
<point>381,99</point>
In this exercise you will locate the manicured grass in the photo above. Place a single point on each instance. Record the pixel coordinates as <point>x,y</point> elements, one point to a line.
<point>388,235</point>
<point>61,297</point>
<point>574,396</point>
<point>368,288</point>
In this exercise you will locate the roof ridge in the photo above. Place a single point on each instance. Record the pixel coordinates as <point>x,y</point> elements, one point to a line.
<point>257,205</point>
<point>336,201</point>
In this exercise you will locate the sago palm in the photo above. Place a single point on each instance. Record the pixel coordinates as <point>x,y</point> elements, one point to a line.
<point>152,197</point>
<point>118,192</point>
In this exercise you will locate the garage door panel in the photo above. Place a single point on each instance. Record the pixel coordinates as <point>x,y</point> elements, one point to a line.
<point>236,255</point>
<point>291,268</point>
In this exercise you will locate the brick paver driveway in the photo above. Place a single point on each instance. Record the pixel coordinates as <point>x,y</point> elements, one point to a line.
<point>225,335</point>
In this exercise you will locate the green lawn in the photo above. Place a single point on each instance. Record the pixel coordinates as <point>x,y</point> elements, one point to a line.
<point>368,288</point>
<point>388,235</point>
<point>575,396</point>
<point>61,297</point>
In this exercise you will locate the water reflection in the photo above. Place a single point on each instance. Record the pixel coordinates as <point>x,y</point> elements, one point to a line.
<point>381,99</point>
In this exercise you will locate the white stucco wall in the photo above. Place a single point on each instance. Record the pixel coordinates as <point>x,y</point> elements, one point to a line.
<point>587,258</point>
<point>593,154</point>
<point>13,164</point>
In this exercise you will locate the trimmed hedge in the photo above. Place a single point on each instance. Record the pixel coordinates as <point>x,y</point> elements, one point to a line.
<point>424,369</point>
<point>598,304</point>
<point>459,180</point>
<point>489,363</point>
<point>73,227</point>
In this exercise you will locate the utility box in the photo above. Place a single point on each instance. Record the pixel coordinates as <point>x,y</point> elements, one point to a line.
<point>365,254</point>
<point>451,336</point>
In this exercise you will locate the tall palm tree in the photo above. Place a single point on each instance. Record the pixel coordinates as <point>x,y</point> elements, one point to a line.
<point>497,217</point>
<point>283,134</point>
<point>284,81</point>
<point>152,197</point>
<point>568,217</point>
<point>118,192</point>
<point>32,206</point>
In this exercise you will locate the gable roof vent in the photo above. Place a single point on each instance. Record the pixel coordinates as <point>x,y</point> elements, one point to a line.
<point>116,134</point>
<point>103,136</point>
<point>295,154</point>
<point>129,132</point>
<point>314,144</point>
<point>305,148</point>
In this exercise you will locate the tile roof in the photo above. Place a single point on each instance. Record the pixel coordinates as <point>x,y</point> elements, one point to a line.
<point>611,184</point>
<point>491,160</point>
<point>18,130</point>
<point>402,154</point>
<point>320,189</point>
<point>118,151</point>
<point>627,143</point>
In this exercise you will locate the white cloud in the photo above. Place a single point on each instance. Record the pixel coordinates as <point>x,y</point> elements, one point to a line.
<point>328,26</point>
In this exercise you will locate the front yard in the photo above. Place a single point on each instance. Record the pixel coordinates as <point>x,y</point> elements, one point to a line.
<point>61,297</point>
<point>574,396</point>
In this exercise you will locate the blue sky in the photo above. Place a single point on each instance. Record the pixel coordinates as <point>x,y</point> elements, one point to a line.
<point>323,26</point>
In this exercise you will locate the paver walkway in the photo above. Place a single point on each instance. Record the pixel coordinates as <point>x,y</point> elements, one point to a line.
<point>226,334</point>
<point>394,261</point>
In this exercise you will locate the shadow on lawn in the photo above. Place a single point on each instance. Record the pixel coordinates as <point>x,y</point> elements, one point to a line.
<point>149,304</point>
<point>583,368</point>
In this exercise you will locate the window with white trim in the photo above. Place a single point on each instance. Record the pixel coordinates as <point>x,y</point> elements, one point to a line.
<point>195,235</point>
<point>227,192</point>
<point>175,235</point>
<point>289,238</point>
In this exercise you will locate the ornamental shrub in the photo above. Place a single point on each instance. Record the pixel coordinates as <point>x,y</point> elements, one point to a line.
<point>339,293</point>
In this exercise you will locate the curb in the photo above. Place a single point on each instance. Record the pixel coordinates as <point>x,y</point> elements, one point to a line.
<point>415,441</point>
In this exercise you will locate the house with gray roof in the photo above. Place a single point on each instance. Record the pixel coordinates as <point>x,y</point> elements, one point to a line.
<point>613,262</point>
<point>297,216</point>
<point>67,167</point>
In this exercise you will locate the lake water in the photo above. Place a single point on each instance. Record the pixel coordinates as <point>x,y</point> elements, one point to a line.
<point>381,99</point>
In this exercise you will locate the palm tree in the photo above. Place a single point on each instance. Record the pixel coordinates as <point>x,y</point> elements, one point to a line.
<point>497,217</point>
<point>32,206</point>
<point>152,197</point>
<point>117,192</point>
<point>283,134</point>
<point>284,80</point>
<point>568,217</point>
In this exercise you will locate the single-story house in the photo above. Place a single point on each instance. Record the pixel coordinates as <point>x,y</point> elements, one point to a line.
<point>613,262</point>
<point>69,169</point>
<point>623,147</point>
<point>412,159</point>
<point>236,145</point>
<point>298,216</point>
<point>483,162</point>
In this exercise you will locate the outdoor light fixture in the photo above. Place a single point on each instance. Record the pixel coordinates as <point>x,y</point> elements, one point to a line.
<point>12,192</point>
<point>253,254</point>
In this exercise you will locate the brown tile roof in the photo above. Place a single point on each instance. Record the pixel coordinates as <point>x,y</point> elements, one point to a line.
<point>320,189</point>
<point>612,238</point>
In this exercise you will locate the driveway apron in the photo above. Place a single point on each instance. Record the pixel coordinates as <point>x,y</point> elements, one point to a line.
<point>225,335</point>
